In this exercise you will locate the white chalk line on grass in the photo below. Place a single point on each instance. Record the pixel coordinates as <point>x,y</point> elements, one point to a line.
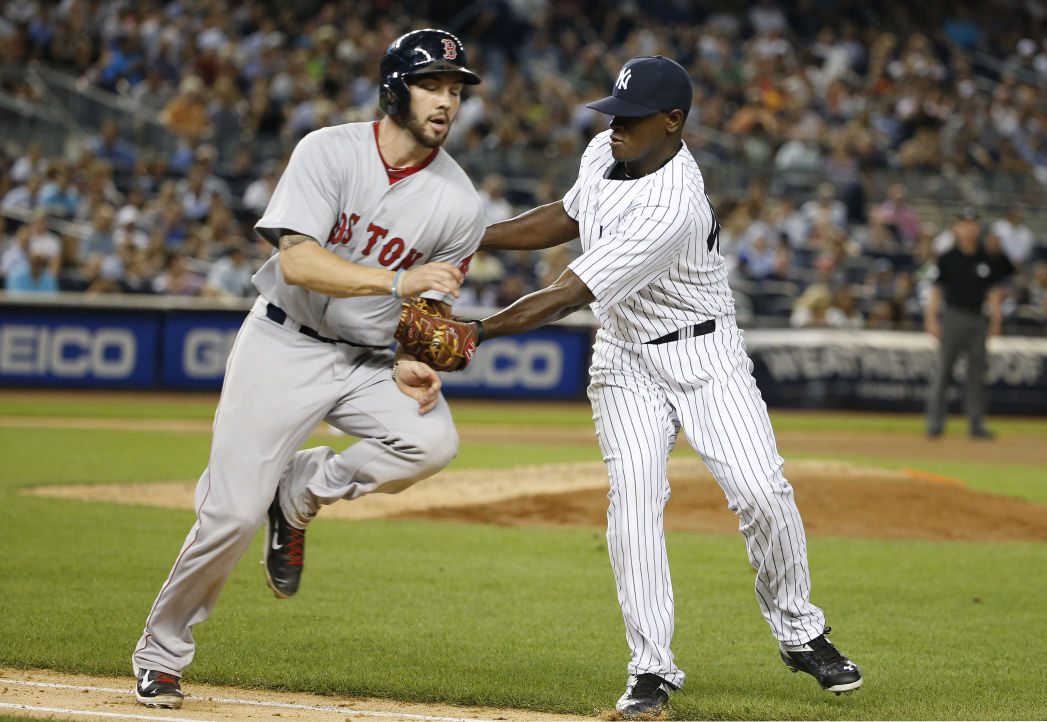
<point>224,700</point>
<point>58,710</point>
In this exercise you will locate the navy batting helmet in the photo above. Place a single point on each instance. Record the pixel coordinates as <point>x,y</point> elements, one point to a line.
<point>418,52</point>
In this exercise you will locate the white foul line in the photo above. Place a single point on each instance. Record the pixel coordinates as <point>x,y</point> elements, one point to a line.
<point>256,703</point>
<point>56,710</point>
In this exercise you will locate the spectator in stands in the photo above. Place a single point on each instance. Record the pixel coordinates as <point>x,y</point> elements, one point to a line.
<point>512,287</point>
<point>760,253</point>
<point>26,196</point>
<point>15,251</point>
<point>102,275</point>
<point>154,92</point>
<point>885,315</point>
<point>898,216</point>
<point>841,171</point>
<point>173,224</point>
<point>197,196</point>
<point>176,279</point>
<point>877,236</point>
<point>206,158</point>
<point>226,108</point>
<point>69,268</point>
<point>1016,240</point>
<point>186,113</point>
<point>784,78</point>
<point>110,146</point>
<point>799,158</point>
<point>811,307</point>
<point>479,289</point>
<point>258,192</point>
<point>122,63</point>
<point>843,312</point>
<point>35,276</point>
<point>100,240</point>
<point>230,275</point>
<point>29,164</point>
<point>41,237</point>
<point>492,195</point>
<point>98,187</point>
<point>138,269</point>
<point>35,272</point>
<point>128,230</point>
<point>824,211</point>
<point>238,173</point>
<point>59,194</point>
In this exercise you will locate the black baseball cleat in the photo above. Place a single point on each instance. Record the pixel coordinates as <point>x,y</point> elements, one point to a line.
<point>980,432</point>
<point>645,696</point>
<point>820,659</point>
<point>158,689</point>
<point>284,552</point>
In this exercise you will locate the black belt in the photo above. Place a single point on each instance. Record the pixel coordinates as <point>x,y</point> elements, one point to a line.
<point>278,315</point>
<point>700,330</point>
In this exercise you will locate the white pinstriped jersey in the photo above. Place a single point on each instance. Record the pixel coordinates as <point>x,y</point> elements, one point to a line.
<point>336,189</point>
<point>650,246</point>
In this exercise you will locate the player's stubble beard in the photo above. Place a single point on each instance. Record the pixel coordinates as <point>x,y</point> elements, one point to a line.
<point>420,131</point>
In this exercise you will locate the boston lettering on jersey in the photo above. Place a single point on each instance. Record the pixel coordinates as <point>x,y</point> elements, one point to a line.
<point>389,252</point>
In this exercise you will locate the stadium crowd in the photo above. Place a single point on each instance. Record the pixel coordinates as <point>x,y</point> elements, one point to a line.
<point>849,119</point>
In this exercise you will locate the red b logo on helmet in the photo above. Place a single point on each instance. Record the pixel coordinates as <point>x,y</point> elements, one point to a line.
<point>450,49</point>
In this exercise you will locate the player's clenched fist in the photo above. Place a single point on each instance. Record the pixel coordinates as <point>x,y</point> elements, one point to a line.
<point>442,277</point>
<point>419,382</point>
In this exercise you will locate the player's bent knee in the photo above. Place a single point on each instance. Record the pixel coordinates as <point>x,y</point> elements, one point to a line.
<point>429,448</point>
<point>437,453</point>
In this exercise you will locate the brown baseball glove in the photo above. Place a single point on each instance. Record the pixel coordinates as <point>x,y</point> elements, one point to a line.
<point>443,343</point>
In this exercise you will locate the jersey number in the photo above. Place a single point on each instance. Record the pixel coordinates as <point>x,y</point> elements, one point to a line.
<point>714,234</point>
<point>714,237</point>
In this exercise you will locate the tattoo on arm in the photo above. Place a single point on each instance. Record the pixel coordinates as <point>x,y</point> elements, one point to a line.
<point>289,240</point>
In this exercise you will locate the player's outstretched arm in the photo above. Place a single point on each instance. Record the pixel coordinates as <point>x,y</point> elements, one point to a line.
<point>562,297</point>
<point>304,262</point>
<point>542,227</point>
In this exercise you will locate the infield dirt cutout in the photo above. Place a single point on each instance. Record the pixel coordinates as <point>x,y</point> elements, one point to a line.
<point>835,498</point>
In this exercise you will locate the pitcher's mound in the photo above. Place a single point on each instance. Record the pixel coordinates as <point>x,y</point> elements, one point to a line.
<point>835,499</point>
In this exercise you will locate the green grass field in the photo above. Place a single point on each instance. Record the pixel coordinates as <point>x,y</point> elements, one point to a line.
<point>511,617</point>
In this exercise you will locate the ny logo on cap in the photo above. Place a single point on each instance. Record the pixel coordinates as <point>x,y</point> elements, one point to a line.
<point>623,79</point>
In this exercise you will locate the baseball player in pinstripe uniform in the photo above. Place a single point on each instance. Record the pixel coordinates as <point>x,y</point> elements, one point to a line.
<point>668,356</point>
<point>364,214</point>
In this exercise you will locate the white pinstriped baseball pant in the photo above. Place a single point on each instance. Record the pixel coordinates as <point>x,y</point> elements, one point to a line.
<point>642,395</point>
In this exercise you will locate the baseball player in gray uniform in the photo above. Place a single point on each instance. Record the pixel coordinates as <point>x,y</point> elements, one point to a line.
<point>668,356</point>
<point>364,214</point>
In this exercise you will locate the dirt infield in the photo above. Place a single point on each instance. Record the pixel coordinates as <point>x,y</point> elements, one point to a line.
<point>47,694</point>
<point>836,499</point>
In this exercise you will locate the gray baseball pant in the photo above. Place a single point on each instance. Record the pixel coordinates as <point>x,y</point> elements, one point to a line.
<point>962,332</point>
<point>279,384</point>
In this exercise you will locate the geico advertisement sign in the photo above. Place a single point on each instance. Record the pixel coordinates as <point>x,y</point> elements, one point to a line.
<point>67,351</point>
<point>507,363</point>
<point>205,351</point>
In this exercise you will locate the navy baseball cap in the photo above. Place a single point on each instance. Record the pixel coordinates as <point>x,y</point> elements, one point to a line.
<point>647,85</point>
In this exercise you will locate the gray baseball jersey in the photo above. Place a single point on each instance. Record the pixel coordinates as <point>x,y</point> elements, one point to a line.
<point>335,189</point>
<point>669,355</point>
<point>302,357</point>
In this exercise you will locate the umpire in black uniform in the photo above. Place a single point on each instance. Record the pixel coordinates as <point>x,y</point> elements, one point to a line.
<point>968,277</point>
